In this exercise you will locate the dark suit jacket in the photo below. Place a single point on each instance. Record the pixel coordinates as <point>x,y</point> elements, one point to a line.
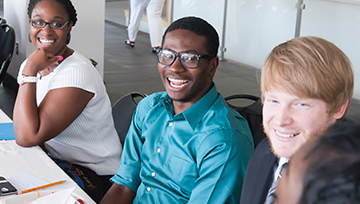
<point>259,174</point>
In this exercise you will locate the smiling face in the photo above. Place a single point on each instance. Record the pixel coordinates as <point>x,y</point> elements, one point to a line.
<point>186,86</point>
<point>289,121</point>
<point>53,40</point>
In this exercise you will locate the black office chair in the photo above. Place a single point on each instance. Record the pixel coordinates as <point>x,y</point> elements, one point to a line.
<point>122,112</point>
<point>252,113</point>
<point>2,20</point>
<point>7,43</point>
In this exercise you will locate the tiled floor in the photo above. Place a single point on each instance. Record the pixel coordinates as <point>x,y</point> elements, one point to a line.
<point>135,69</point>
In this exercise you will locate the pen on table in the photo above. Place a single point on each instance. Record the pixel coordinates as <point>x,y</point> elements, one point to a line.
<point>43,186</point>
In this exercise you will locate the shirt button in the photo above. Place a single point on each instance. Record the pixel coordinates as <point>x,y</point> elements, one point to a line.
<point>148,189</point>
<point>158,150</point>
<point>170,124</point>
<point>153,174</point>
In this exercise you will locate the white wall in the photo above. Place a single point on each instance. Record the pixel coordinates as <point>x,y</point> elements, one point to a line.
<point>255,27</point>
<point>340,24</point>
<point>87,36</point>
<point>210,10</point>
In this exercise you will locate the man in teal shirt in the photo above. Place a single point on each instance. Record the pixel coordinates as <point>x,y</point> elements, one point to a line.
<point>184,145</point>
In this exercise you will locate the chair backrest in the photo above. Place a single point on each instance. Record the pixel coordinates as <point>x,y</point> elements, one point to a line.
<point>252,113</point>
<point>7,43</point>
<point>2,20</point>
<point>122,112</point>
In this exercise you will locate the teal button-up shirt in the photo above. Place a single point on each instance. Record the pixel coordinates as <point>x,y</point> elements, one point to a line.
<point>197,156</point>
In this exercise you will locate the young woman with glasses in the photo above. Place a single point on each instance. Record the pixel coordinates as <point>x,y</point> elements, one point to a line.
<point>62,104</point>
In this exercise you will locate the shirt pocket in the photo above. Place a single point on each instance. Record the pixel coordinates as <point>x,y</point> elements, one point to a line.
<point>185,171</point>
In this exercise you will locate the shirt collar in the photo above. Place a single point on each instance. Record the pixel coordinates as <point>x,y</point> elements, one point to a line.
<point>282,161</point>
<point>197,111</point>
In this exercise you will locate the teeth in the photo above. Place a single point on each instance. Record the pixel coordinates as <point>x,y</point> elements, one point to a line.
<point>177,83</point>
<point>46,41</point>
<point>177,86</point>
<point>285,135</point>
<point>177,80</point>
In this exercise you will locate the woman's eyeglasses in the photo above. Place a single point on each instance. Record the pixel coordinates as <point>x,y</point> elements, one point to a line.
<point>42,24</point>
<point>188,60</point>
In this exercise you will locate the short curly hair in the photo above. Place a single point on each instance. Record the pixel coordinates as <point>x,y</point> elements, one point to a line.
<point>70,9</point>
<point>199,27</point>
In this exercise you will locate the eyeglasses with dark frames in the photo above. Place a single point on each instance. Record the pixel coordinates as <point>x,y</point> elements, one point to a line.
<point>187,59</point>
<point>42,24</point>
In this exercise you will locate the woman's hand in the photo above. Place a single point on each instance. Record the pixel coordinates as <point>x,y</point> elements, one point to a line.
<point>40,60</point>
<point>33,124</point>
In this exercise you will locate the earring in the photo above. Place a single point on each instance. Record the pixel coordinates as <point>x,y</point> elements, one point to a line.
<point>68,37</point>
<point>29,38</point>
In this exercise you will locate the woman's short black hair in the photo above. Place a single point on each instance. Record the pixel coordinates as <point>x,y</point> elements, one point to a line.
<point>70,9</point>
<point>333,174</point>
<point>199,27</point>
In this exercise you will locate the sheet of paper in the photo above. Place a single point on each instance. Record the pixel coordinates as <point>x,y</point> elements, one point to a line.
<point>60,197</point>
<point>26,181</point>
<point>66,196</point>
<point>4,118</point>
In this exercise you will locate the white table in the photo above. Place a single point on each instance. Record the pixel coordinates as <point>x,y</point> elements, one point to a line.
<point>16,160</point>
<point>4,118</point>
